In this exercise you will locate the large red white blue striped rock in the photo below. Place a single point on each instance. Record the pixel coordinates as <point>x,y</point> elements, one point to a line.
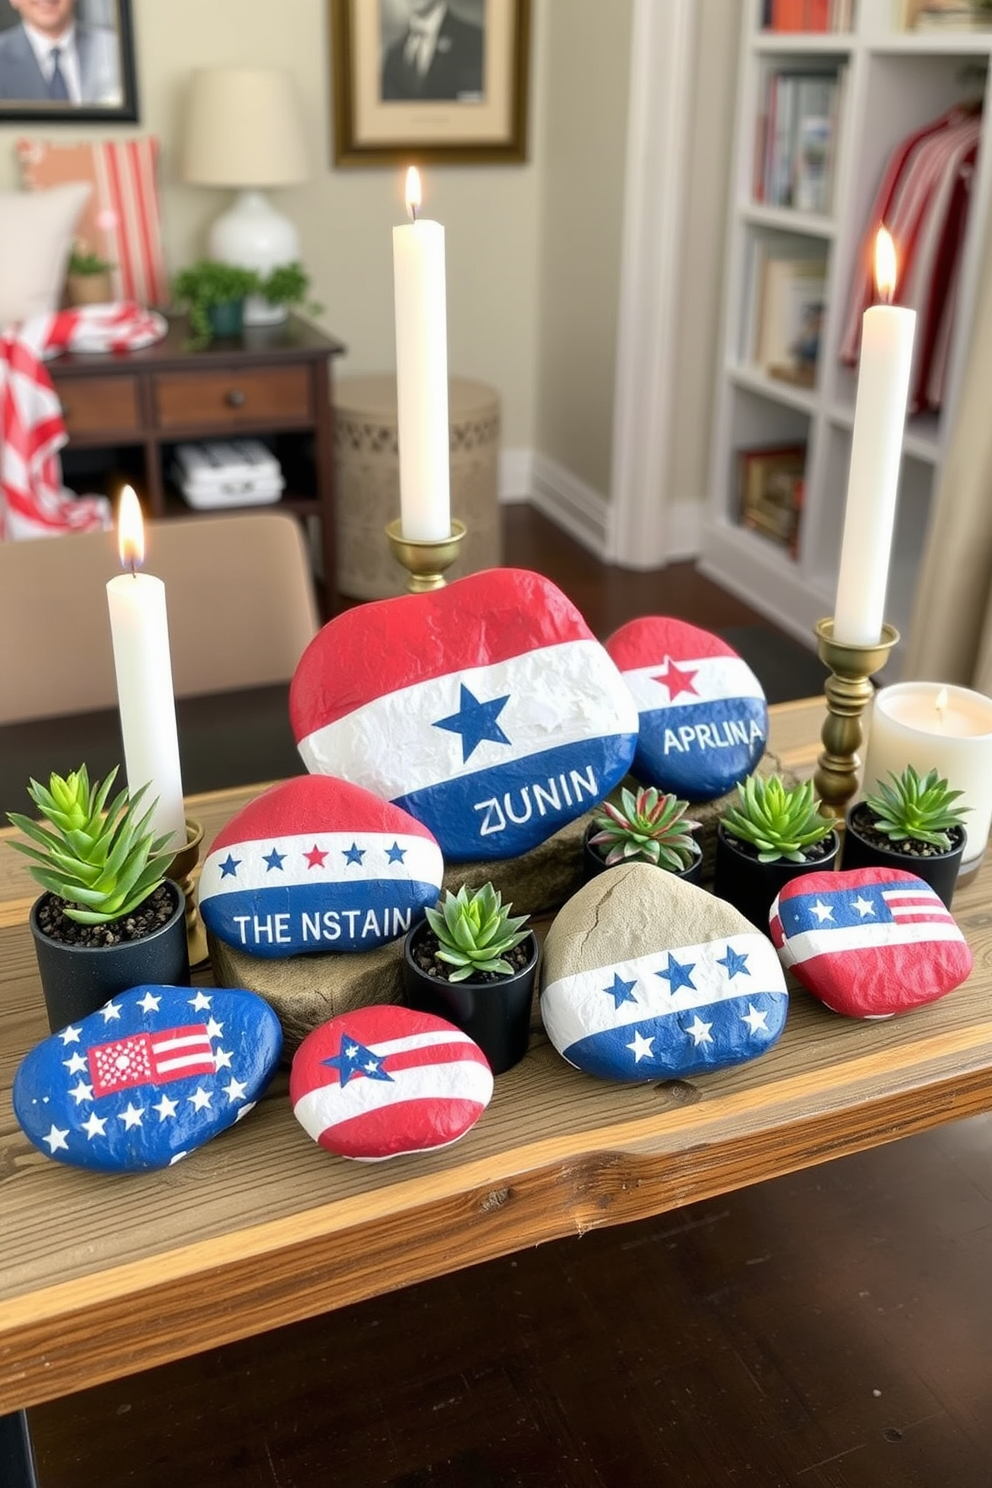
<point>703,718</point>
<point>384,1081</point>
<point>645,977</point>
<point>869,942</point>
<point>316,864</point>
<point>150,1076</point>
<point>486,709</point>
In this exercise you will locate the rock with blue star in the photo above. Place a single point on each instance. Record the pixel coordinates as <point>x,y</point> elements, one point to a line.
<point>645,977</point>
<point>702,714</point>
<point>316,865</point>
<point>487,709</point>
<point>149,1077</point>
<point>869,942</point>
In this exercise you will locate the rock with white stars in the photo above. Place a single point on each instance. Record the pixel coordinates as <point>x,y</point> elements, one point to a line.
<point>386,1081</point>
<point>702,713</point>
<point>317,864</point>
<point>645,977</point>
<point>153,1074</point>
<point>869,942</point>
<point>487,709</point>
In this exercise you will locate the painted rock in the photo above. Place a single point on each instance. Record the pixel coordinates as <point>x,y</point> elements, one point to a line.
<point>383,1081</point>
<point>486,709</point>
<point>702,713</point>
<point>317,864</point>
<point>870,942</point>
<point>148,1077</point>
<point>646,977</point>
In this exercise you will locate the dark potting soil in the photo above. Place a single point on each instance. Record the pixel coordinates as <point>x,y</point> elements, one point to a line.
<point>424,952</point>
<point>149,916</point>
<point>812,854</point>
<point>864,818</point>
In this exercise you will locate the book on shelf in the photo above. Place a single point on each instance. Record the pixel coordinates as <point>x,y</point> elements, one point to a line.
<point>795,141</point>
<point>785,305</point>
<point>807,15</point>
<point>770,489</point>
<point>946,15</point>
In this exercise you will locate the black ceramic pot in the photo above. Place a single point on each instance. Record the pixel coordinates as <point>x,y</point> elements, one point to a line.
<point>940,871</point>
<point>77,980</point>
<point>751,886</point>
<point>496,1015</point>
<point>593,863</point>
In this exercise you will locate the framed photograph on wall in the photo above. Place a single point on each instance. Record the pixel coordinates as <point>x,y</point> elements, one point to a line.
<point>67,61</point>
<point>426,81</point>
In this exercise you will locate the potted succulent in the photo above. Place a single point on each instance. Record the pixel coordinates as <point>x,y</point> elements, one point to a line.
<point>88,277</point>
<point>285,286</point>
<point>470,961</point>
<point>109,919</point>
<point>214,294</point>
<point>776,832</point>
<point>647,827</point>
<point>910,823</point>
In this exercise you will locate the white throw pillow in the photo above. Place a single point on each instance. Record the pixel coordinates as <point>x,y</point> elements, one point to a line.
<point>36,230</point>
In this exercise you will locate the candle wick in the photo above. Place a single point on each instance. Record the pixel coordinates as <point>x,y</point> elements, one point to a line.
<point>134,571</point>
<point>413,211</point>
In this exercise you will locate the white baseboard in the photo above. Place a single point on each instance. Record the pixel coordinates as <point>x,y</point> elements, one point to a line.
<point>684,531</point>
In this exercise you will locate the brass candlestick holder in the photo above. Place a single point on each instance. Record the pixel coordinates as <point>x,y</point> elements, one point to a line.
<point>183,870</point>
<point>425,559</point>
<point>848,691</point>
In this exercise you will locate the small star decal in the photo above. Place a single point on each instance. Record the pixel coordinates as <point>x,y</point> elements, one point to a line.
<point>215,1029</point>
<point>111,1012</point>
<point>75,1065</point>
<point>354,854</point>
<point>56,1140</point>
<point>199,1002</point>
<point>675,679</point>
<point>200,1099</point>
<point>229,867</point>
<point>355,1059</point>
<point>475,721</point>
<point>166,1107</point>
<point>149,1003</point>
<point>678,975</point>
<point>822,911</point>
<point>621,991</point>
<point>82,1092</point>
<point>735,962</point>
<point>755,1020</point>
<point>315,857</point>
<point>863,906</point>
<point>396,854</point>
<point>222,1059</point>
<point>641,1048</point>
<point>95,1126</point>
<point>273,859</point>
<point>699,1032</point>
<point>234,1090</point>
<point>70,1035</point>
<point>131,1116</point>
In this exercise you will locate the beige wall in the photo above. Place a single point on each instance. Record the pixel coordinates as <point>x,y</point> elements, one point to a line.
<point>585,129</point>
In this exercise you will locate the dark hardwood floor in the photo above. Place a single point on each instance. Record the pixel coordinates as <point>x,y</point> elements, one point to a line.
<point>831,1329</point>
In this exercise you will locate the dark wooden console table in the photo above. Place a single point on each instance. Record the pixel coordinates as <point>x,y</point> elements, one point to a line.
<point>125,413</point>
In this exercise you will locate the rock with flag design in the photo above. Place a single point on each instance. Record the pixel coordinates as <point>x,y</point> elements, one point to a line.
<point>386,1081</point>
<point>646,977</point>
<point>486,709</point>
<point>703,718</point>
<point>316,864</point>
<point>153,1074</point>
<point>869,942</point>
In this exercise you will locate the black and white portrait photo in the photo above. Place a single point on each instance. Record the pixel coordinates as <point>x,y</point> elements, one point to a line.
<point>433,50</point>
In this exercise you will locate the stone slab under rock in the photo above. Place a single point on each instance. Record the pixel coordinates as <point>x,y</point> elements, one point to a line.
<point>646,977</point>
<point>869,942</point>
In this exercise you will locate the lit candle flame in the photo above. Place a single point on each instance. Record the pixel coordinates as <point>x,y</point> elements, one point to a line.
<point>130,531</point>
<point>885,265</point>
<point>413,196</point>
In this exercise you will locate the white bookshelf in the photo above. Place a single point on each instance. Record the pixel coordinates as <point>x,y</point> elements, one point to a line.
<point>895,81</point>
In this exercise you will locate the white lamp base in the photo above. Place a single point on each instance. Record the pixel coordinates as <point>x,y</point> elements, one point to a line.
<point>252,233</point>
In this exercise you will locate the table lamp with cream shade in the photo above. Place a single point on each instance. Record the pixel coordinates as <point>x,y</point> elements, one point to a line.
<point>244,130</point>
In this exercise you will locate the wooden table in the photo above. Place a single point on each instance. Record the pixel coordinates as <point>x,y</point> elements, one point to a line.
<point>102,1276</point>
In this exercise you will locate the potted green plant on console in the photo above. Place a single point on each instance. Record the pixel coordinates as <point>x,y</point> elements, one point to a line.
<point>776,832</point>
<point>88,277</point>
<point>648,827</point>
<point>470,961</point>
<point>910,823</point>
<point>214,294</point>
<point>288,286</point>
<point>109,919</point>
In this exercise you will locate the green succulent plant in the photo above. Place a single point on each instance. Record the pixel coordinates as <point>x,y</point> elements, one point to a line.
<point>210,282</point>
<point>917,808</point>
<point>649,827</point>
<point>475,930</point>
<point>102,860</point>
<point>781,821</point>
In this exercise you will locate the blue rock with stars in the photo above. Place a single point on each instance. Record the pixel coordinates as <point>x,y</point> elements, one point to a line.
<point>147,1078</point>
<point>645,977</point>
<point>317,865</point>
<point>702,714</point>
<point>486,709</point>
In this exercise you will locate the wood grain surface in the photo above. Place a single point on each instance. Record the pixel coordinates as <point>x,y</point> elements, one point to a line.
<point>103,1275</point>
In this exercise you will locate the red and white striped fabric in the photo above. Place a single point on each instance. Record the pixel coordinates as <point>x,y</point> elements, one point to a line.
<point>122,222</point>
<point>33,500</point>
